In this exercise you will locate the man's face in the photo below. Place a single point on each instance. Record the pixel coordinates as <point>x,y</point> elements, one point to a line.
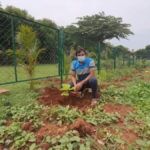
<point>81,56</point>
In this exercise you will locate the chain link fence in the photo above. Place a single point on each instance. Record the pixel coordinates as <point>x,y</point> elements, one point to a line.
<point>58,51</point>
<point>11,70</point>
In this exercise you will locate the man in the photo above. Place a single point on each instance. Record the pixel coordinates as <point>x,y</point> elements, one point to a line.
<point>83,74</point>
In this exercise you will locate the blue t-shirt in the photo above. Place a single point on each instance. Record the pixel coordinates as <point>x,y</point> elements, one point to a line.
<point>82,69</point>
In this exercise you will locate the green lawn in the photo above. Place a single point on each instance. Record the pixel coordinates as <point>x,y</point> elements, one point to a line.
<point>7,73</point>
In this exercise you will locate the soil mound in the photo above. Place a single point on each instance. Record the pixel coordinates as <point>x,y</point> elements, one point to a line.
<point>129,136</point>
<point>52,96</point>
<point>83,127</point>
<point>79,125</point>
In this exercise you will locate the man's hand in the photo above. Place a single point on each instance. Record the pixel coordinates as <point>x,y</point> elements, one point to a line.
<point>78,86</point>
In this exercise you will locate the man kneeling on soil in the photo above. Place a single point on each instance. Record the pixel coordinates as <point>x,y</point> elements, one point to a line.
<point>83,74</point>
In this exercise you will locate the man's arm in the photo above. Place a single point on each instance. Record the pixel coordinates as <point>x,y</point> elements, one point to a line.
<point>73,78</point>
<point>92,74</point>
<point>73,73</point>
<point>79,85</point>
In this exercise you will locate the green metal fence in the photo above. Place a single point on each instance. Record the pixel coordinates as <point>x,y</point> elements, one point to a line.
<point>49,61</point>
<point>56,58</point>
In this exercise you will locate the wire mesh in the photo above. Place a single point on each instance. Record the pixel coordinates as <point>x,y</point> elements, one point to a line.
<point>11,70</point>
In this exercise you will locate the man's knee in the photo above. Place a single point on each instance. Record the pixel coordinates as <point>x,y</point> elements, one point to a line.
<point>93,81</point>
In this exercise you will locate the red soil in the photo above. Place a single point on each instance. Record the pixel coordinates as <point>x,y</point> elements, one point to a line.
<point>83,127</point>
<point>123,110</point>
<point>52,96</point>
<point>129,136</point>
<point>45,146</point>
<point>51,130</point>
<point>80,125</point>
<point>27,126</point>
<point>1,147</point>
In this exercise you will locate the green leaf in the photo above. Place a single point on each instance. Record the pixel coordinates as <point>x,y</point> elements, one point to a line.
<point>65,94</point>
<point>48,139</point>
<point>70,146</point>
<point>32,146</point>
<point>141,142</point>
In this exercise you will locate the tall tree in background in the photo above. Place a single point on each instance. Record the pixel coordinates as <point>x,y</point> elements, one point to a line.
<point>48,37</point>
<point>143,53</point>
<point>100,27</point>
<point>18,12</point>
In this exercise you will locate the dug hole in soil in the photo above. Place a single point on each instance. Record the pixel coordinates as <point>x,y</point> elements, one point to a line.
<point>52,96</point>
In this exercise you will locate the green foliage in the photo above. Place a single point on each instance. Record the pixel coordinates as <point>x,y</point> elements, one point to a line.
<point>67,61</point>
<point>66,89</point>
<point>12,136</point>
<point>108,75</point>
<point>96,116</point>
<point>138,92</point>
<point>64,114</point>
<point>29,50</point>
<point>18,12</point>
<point>143,53</point>
<point>69,141</point>
<point>100,27</point>
<point>28,113</point>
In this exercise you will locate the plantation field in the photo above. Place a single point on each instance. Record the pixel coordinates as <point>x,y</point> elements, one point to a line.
<point>43,119</point>
<point>7,73</point>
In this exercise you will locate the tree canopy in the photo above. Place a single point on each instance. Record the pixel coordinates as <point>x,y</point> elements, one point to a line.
<point>143,53</point>
<point>100,27</point>
<point>18,12</point>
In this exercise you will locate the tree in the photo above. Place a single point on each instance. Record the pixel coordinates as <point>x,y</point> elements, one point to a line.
<point>121,51</point>
<point>48,38</point>
<point>18,12</point>
<point>100,27</point>
<point>71,37</point>
<point>143,53</point>
<point>28,51</point>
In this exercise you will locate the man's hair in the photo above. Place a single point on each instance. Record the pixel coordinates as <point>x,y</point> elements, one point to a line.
<point>80,50</point>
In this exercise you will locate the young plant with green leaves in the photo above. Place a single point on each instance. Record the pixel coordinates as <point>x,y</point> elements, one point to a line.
<point>28,51</point>
<point>66,88</point>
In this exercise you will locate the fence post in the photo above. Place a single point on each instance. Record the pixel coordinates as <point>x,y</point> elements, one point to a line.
<point>84,42</point>
<point>58,53</point>
<point>61,54</point>
<point>129,61</point>
<point>114,56</point>
<point>14,48</point>
<point>123,59</point>
<point>99,57</point>
<point>133,59</point>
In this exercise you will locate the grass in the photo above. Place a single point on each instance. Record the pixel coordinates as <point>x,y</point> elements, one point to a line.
<point>8,72</point>
<point>19,95</point>
<point>107,75</point>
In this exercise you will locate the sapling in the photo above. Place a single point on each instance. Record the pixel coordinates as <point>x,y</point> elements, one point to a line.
<point>66,88</point>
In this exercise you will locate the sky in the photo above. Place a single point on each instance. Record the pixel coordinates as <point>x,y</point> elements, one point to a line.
<point>66,12</point>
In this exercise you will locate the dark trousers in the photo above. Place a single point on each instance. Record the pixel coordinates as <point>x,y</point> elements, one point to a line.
<point>91,83</point>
